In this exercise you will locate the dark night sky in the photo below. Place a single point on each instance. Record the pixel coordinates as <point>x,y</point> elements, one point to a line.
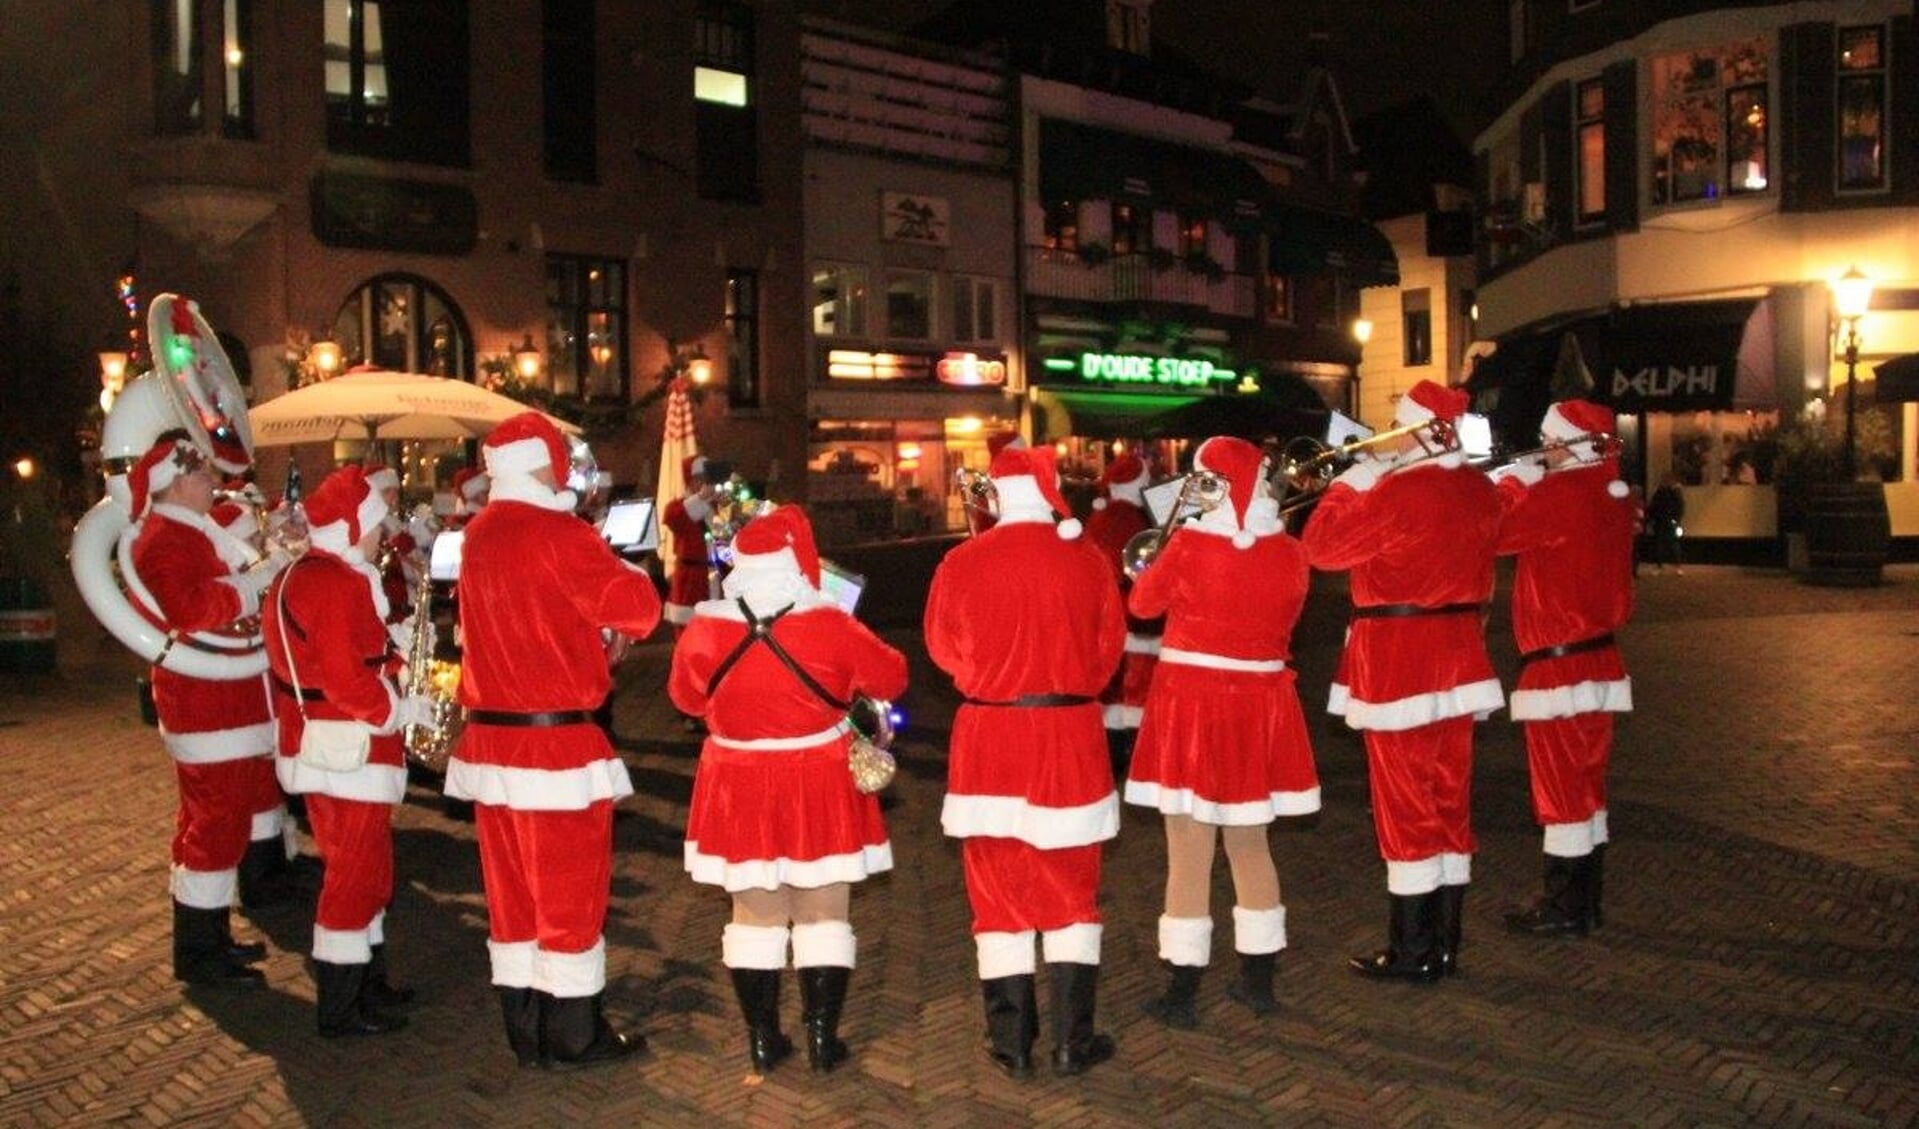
<point>1382,52</point>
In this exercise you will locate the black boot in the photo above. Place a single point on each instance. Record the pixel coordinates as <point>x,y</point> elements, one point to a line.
<point>1596,887</point>
<point>378,991</point>
<point>520,1008</point>
<point>1254,988</point>
<point>1077,1048</point>
<point>201,950</point>
<point>265,877</point>
<point>1177,1006</point>
<point>342,1007</point>
<point>822,995</point>
<point>251,952</point>
<point>758,990</point>
<point>1119,747</point>
<point>574,1034</point>
<point>1012,1022</point>
<point>1411,951</point>
<point>1448,926</point>
<point>1562,910</point>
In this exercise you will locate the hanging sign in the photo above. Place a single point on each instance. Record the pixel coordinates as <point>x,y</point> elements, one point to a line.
<point>1135,369</point>
<point>908,217</point>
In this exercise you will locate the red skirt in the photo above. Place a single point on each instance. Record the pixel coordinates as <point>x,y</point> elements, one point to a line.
<point>1225,747</point>
<point>762,819</point>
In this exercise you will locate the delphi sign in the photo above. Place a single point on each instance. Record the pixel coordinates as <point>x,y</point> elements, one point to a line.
<point>1663,383</point>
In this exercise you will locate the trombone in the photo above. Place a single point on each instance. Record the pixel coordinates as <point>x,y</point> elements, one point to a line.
<point>1202,491</point>
<point>978,496</point>
<point>1604,446</point>
<point>1306,479</point>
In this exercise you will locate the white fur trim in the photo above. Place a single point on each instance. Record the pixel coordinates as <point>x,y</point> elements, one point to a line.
<point>1113,715</point>
<point>1013,817</point>
<point>538,789</point>
<point>771,874</point>
<point>520,457</point>
<point>1186,941</point>
<point>520,488</point>
<point>1570,701</point>
<point>1180,657</point>
<point>1251,813</point>
<point>1455,869</point>
<point>268,824</point>
<point>824,944</point>
<point>369,783</point>
<point>1474,699</point>
<point>1137,644</point>
<point>331,538</point>
<point>1020,493</point>
<point>697,508</point>
<point>376,929</point>
<point>1005,954</point>
<point>1259,931</point>
<point>766,590</point>
<point>570,976</point>
<point>1602,831</point>
<point>679,614</point>
<point>1077,943</point>
<point>760,947</point>
<point>384,479</point>
<point>1133,492</point>
<point>341,946</point>
<point>512,963</point>
<point>1243,540</point>
<point>475,486</point>
<point>217,746</point>
<point>1410,879</point>
<point>1569,840</point>
<point>204,889</point>
<point>783,744</point>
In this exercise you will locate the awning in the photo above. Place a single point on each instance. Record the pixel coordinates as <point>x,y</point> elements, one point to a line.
<point>1285,406</point>
<point>1060,412</point>
<point>1307,241</point>
<point>1082,162</point>
<point>1897,380</point>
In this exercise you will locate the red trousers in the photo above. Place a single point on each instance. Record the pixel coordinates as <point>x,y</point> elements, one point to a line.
<point>1014,886</point>
<point>546,874</point>
<point>1567,758</point>
<point>356,840</point>
<point>215,817</point>
<point>1422,784</point>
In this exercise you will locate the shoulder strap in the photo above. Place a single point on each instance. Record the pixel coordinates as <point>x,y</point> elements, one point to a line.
<point>761,631</point>
<point>293,672</point>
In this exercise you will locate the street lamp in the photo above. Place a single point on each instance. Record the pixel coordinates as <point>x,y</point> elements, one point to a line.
<point>1362,333</point>
<point>1852,296</point>
<point>526,359</point>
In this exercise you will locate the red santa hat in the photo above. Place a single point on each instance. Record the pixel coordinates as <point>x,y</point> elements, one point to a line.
<point>343,508</point>
<point>382,477</point>
<point>691,467</point>
<point>1126,472</point>
<point>1238,462</point>
<point>522,445</point>
<point>1570,420</point>
<point>1028,478</point>
<point>1426,402</point>
<point>236,519</point>
<point>164,462</point>
<point>1003,440</point>
<point>779,539</point>
<point>471,483</point>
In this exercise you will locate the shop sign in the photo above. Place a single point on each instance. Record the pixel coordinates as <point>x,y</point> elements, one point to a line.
<point>1670,382</point>
<point>970,370</point>
<point>388,214</point>
<point>908,217</point>
<point>1132,369</point>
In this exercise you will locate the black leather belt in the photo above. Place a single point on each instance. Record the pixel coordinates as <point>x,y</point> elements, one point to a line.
<point>1596,643</point>
<point>303,693</point>
<point>1038,701</point>
<point>545,720</point>
<point>1379,611</point>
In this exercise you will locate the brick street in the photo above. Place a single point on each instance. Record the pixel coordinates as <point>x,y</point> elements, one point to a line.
<point>1759,964</point>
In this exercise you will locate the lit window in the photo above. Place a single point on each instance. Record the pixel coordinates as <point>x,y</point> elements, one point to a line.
<point>723,87</point>
<point>1709,123</point>
<point>1862,109</point>
<point>1591,140</point>
<point>839,300</point>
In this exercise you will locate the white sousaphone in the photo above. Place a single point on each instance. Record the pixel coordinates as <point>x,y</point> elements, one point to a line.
<point>192,387</point>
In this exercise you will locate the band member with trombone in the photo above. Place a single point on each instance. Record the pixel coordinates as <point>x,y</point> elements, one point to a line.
<point>331,662</point>
<point>1417,526</point>
<point>1119,515</point>
<point>219,733</point>
<point>538,590</point>
<point>1569,525</point>
<point>1223,749</point>
<point>776,820</point>
<point>1027,620</point>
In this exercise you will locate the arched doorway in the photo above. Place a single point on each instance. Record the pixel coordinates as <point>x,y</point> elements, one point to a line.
<point>404,323</point>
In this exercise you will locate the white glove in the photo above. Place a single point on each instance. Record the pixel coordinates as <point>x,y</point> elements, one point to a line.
<point>414,709</point>
<point>1361,476</point>
<point>1525,472</point>
<point>402,635</point>
<point>251,583</point>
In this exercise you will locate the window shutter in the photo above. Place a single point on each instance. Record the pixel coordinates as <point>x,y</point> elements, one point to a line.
<point>1806,90</point>
<point>1556,122</point>
<point>1621,84</point>
<point>1904,115</point>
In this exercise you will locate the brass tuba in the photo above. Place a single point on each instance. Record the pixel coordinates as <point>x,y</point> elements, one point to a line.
<point>1201,492</point>
<point>430,746</point>
<point>978,496</point>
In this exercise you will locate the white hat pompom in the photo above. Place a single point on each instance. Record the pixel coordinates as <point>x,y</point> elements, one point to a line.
<point>1617,488</point>
<point>1243,539</point>
<point>1070,529</point>
<point>1099,503</point>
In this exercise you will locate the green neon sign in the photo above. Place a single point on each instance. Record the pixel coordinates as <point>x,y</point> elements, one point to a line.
<point>1124,368</point>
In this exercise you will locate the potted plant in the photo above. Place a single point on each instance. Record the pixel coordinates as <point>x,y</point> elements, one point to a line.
<point>1839,518</point>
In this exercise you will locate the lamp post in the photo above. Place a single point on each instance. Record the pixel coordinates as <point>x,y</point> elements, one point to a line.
<point>1362,333</point>
<point>1852,295</point>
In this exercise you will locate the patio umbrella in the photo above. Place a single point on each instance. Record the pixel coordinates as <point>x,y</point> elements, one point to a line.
<point>677,442</point>
<point>376,404</point>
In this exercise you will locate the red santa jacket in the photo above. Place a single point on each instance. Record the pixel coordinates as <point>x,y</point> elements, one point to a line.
<point>536,587</point>
<point>1223,601</point>
<point>1017,611</point>
<point>1572,581</point>
<point>760,699</point>
<point>324,634</point>
<point>1424,535</point>
<point>185,586</point>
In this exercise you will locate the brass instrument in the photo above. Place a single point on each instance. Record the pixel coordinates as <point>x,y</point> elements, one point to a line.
<point>430,746</point>
<point>1202,491</point>
<point>870,758</point>
<point>733,507</point>
<point>978,496</point>
<point>1306,479</point>
<point>1603,446</point>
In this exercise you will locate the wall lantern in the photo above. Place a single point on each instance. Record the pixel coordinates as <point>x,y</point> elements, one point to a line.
<point>526,358</point>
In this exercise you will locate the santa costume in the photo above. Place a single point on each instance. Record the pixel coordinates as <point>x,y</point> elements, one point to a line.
<point>685,517</point>
<point>1417,528</point>
<point>470,488</point>
<point>1119,515</point>
<point>398,550</point>
<point>1027,620</point>
<point>1224,741</point>
<point>774,806</point>
<point>979,517</point>
<point>189,575</point>
<point>1569,526</point>
<point>537,587</point>
<point>329,659</point>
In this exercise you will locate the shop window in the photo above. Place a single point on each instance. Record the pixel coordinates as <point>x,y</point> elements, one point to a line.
<point>975,309</point>
<point>1590,145</point>
<point>909,305</point>
<point>586,330</point>
<point>726,124</point>
<point>1132,229</point>
<point>1416,326</point>
<point>1062,226</point>
<point>1862,109</point>
<point>1724,448</point>
<point>1278,303</point>
<point>839,300</point>
<point>869,480</point>
<point>178,78</point>
<point>406,324</point>
<point>1709,132</point>
<point>396,79</point>
<point>568,110</point>
<point>742,325</point>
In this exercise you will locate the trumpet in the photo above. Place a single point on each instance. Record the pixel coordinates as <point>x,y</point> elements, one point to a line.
<point>1202,491</point>
<point>1604,446</point>
<point>977,494</point>
<point>1306,478</point>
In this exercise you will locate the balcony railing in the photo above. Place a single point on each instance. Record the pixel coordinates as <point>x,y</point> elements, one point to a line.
<point>1131,278</point>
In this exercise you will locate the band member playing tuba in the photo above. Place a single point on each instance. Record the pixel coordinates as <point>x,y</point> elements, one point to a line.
<point>328,650</point>
<point>538,586</point>
<point>776,820</point>
<point>1223,748</point>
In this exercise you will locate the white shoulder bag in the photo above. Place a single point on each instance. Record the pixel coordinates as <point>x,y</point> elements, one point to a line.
<point>326,744</point>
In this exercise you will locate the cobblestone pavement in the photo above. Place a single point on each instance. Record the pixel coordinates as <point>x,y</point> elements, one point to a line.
<point>1758,965</point>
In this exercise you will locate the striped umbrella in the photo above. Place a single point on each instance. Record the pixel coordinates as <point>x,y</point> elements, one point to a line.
<point>677,444</point>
